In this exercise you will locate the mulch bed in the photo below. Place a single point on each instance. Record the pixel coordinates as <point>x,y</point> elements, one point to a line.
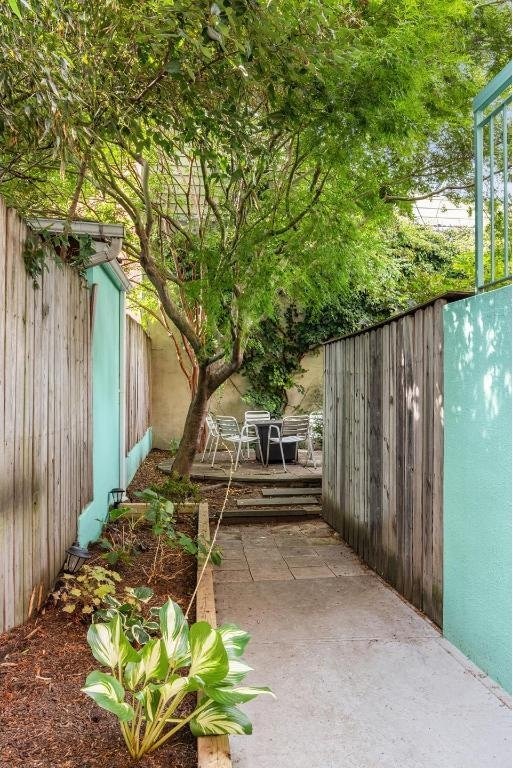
<point>214,493</point>
<point>45,721</point>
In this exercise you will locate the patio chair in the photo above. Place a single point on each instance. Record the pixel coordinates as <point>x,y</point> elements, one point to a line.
<point>294,429</point>
<point>229,432</point>
<point>315,428</point>
<point>212,432</point>
<point>253,417</point>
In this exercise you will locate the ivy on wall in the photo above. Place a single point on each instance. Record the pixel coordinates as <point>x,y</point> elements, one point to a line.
<point>63,248</point>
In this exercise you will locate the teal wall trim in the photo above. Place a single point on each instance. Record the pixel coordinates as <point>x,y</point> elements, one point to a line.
<point>477,480</point>
<point>137,455</point>
<point>106,411</point>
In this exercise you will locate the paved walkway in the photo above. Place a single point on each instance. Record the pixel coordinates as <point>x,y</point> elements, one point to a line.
<point>362,680</point>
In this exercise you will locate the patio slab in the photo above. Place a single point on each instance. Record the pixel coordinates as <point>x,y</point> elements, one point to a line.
<point>362,679</point>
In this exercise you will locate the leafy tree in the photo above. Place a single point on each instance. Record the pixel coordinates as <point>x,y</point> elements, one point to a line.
<point>417,263</point>
<point>251,148</point>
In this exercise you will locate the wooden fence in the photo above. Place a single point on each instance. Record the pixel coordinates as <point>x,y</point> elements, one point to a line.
<point>383,449</point>
<point>138,383</point>
<point>45,422</point>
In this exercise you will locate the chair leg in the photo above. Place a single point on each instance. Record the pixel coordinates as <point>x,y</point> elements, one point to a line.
<point>282,456</point>
<point>314,462</point>
<point>215,451</point>
<point>238,456</point>
<point>205,448</point>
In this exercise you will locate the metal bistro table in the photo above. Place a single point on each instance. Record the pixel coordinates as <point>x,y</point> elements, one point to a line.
<point>289,449</point>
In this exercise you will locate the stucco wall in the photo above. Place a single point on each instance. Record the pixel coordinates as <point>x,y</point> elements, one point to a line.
<point>137,455</point>
<point>477,480</point>
<point>170,392</point>
<point>106,373</point>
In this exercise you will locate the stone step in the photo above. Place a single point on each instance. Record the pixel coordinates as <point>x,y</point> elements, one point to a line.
<point>278,501</point>
<point>272,512</point>
<point>291,491</point>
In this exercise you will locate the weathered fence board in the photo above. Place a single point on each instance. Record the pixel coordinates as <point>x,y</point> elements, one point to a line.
<point>45,430</point>
<point>383,471</point>
<point>138,382</point>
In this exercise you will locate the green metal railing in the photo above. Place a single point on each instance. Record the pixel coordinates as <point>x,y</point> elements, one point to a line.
<point>492,148</point>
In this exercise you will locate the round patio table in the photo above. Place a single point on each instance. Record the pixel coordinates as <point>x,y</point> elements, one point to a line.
<point>289,449</point>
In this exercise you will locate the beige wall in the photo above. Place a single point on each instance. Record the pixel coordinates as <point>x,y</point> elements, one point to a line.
<point>170,391</point>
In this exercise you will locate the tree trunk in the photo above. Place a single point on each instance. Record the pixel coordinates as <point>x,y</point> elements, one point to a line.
<point>193,424</point>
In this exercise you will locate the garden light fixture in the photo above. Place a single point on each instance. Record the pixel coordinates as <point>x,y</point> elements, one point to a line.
<point>117,495</point>
<point>75,558</point>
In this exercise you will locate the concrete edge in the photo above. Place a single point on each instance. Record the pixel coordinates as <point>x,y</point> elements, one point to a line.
<point>488,682</point>
<point>213,751</point>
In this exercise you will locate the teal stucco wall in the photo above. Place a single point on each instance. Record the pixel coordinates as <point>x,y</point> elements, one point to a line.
<point>137,454</point>
<point>106,379</point>
<point>477,480</point>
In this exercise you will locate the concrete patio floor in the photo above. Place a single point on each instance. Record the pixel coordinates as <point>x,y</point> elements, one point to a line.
<point>362,680</point>
<point>250,470</point>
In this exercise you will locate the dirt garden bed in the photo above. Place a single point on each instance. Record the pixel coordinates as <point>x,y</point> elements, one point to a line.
<point>46,722</point>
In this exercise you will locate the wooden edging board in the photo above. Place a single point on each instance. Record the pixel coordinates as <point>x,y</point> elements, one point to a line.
<point>213,751</point>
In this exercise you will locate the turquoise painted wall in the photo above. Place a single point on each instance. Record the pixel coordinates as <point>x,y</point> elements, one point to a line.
<point>137,454</point>
<point>477,480</point>
<point>106,426</point>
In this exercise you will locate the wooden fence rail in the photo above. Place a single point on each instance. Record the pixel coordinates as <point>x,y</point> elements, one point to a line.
<point>383,449</point>
<point>138,383</point>
<point>45,421</point>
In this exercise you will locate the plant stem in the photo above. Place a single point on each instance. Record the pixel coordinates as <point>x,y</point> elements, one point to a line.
<point>185,720</point>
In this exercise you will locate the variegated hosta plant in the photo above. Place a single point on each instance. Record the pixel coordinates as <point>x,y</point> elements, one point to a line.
<point>145,688</point>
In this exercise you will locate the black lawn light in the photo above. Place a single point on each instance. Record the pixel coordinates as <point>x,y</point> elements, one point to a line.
<point>117,495</point>
<point>75,558</point>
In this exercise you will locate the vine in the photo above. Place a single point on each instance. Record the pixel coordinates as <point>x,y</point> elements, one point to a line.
<point>62,247</point>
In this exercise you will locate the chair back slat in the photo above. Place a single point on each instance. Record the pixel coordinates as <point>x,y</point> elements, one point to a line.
<point>211,424</point>
<point>295,425</point>
<point>252,417</point>
<point>228,426</point>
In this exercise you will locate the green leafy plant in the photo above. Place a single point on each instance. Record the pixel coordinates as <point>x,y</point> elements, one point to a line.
<point>178,489</point>
<point>144,689</point>
<point>197,546</point>
<point>84,592</point>
<point>160,513</point>
<point>173,446</point>
<point>138,628</point>
<point>75,250</point>
<point>114,554</point>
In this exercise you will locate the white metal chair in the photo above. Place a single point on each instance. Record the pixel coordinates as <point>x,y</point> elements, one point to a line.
<point>315,431</point>
<point>229,432</point>
<point>212,433</point>
<point>294,429</point>
<point>254,417</point>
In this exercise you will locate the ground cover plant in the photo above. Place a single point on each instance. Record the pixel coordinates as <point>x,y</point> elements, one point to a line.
<point>43,665</point>
<point>145,687</point>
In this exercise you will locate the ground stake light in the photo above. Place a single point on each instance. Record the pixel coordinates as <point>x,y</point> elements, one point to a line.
<point>75,558</point>
<point>117,495</point>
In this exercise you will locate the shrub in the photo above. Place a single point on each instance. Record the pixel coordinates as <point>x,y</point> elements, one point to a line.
<point>144,689</point>
<point>138,628</point>
<point>84,592</point>
<point>178,489</point>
